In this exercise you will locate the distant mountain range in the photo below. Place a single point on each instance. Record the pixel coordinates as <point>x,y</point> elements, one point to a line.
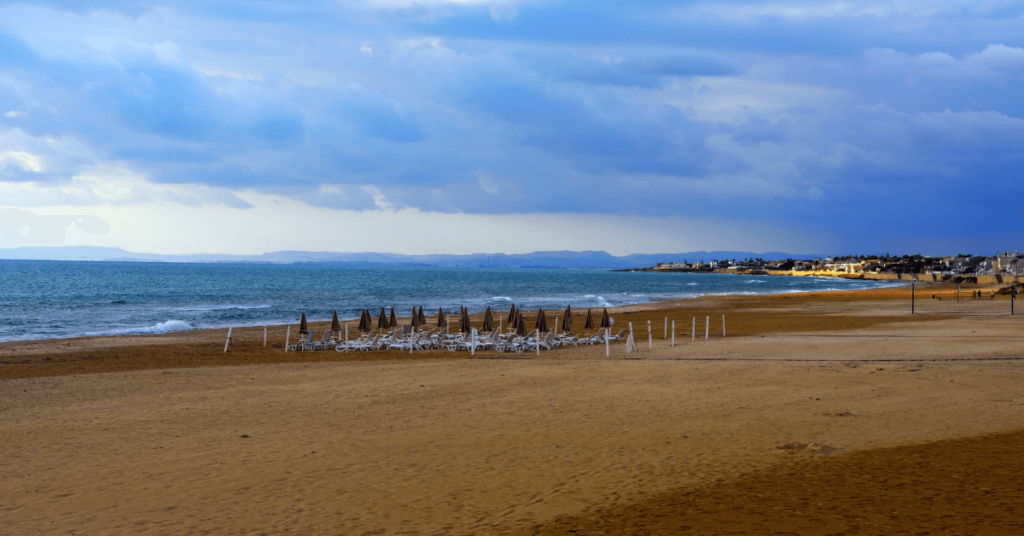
<point>539,259</point>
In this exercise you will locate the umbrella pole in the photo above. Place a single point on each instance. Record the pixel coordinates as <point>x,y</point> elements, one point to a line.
<point>287,338</point>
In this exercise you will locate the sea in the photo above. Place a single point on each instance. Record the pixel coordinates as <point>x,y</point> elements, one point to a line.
<point>62,299</point>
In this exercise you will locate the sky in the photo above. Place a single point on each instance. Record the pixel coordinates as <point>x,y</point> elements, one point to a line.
<point>462,126</point>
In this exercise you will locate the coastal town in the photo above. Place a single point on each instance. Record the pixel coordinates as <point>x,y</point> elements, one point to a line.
<point>958,268</point>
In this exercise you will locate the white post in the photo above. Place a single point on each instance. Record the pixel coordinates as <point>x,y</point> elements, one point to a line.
<point>693,330</point>
<point>472,341</point>
<point>264,336</point>
<point>287,338</point>
<point>447,322</point>
<point>707,328</point>
<point>538,342</point>
<point>227,342</point>
<point>607,348</point>
<point>346,332</point>
<point>723,326</point>
<point>650,337</point>
<point>673,333</point>
<point>666,328</point>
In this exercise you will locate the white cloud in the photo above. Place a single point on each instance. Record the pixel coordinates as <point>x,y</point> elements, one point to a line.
<point>15,114</point>
<point>500,12</point>
<point>26,161</point>
<point>735,99</point>
<point>993,60</point>
<point>795,10</point>
<point>112,184</point>
<point>379,199</point>
<point>487,182</point>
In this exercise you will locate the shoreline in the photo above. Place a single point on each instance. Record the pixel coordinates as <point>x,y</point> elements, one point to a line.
<point>146,331</point>
<point>746,316</point>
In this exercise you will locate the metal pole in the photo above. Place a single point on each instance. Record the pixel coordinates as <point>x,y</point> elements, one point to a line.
<point>911,298</point>
<point>707,328</point>
<point>693,330</point>
<point>673,333</point>
<point>264,336</point>
<point>650,338</point>
<point>666,328</point>
<point>723,326</point>
<point>227,342</point>
<point>607,347</point>
<point>288,337</point>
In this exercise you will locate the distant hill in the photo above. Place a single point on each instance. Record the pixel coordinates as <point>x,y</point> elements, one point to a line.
<point>539,259</point>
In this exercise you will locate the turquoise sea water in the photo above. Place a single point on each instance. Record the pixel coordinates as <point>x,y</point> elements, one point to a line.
<point>56,299</point>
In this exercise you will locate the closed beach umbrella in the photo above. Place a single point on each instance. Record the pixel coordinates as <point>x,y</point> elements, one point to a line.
<point>512,314</point>
<point>393,319</point>
<point>588,324</point>
<point>542,321</point>
<point>415,320</point>
<point>382,320</point>
<point>520,324</point>
<point>335,323</point>
<point>365,322</point>
<point>441,322</point>
<point>488,320</point>
<point>605,321</point>
<point>423,319</point>
<point>464,325</point>
<point>567,320</point>
<point>303,327</point>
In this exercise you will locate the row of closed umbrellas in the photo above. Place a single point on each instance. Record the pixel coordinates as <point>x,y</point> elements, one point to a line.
<point>515,320</point>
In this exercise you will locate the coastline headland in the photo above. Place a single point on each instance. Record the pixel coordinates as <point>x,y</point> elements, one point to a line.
<point>932,277</point>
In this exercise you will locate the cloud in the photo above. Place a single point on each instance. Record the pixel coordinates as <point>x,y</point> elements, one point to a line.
<point>500,12</point>
<point>26,161</point>
<point>744,110</point>
<point>376,116</point>
<point>488,183</point>
<point>645,72</point>
<point>25,228</point>
<point>115,185</point>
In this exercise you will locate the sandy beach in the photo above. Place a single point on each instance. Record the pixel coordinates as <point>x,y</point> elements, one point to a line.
<point>833,413</point>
